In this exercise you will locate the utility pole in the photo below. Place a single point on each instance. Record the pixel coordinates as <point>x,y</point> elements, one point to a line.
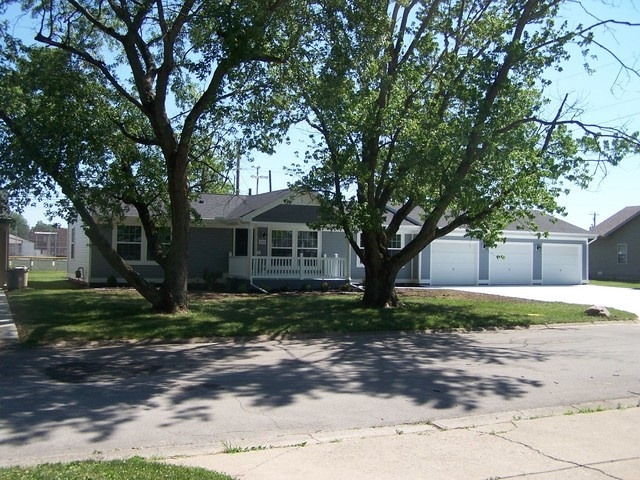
<point>258,177</point>
<point>238,176</point>
<point>594,218</point>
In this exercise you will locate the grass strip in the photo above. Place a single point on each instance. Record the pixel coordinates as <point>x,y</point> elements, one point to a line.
<point>134,468</point>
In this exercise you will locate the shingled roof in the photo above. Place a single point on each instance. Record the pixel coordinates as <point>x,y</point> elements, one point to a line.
<point>544,223</point>
<point>229,207</point>
<point>547,223</point>
<point>616,221</point>
<point>217,206</point>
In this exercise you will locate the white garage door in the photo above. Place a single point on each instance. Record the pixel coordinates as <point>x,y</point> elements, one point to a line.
<point>561,264</point>
<point>511,264</point>
<point>454,263</point>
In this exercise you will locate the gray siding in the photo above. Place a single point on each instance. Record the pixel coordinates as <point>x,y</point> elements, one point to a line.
<point>603,254</point>
<point>209,250</point>
<point>483,265</point>
<point>334,242</point>
<point>290,214</point>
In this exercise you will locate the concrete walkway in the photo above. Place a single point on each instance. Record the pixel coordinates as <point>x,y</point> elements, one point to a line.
<point>575,442</point>
<point>8,331</point>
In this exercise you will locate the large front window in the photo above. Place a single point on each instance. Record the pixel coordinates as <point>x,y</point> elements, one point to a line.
<point>307,244</point>
<point>292,243</point>
<point>281,243</point>
<point>129,242</point>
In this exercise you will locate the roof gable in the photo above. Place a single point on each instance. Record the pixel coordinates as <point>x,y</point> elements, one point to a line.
<point>616,221</point>
<point>218,206</point>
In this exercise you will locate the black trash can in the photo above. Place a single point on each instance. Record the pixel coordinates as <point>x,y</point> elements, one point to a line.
<point>17,277</point>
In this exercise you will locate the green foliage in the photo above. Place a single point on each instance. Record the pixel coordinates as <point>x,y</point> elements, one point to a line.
<point>19,226</point>
<point>438,108</point>
<point>141,107</point>
<point>136,467</point>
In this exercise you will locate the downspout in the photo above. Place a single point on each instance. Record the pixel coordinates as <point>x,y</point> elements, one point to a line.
<point>589,242</point>
<point>253,243</point>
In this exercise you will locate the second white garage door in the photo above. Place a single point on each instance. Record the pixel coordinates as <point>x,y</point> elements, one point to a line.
<point>511,264</point>
<point>454,263</point>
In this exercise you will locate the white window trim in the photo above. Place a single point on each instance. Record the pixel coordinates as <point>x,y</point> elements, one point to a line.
<point>402,245</point>
<point>626,254</point>
<point>143,245</point>
<point>295,229</point>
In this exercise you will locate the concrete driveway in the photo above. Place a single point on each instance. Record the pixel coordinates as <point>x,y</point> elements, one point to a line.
<point>621,298</point>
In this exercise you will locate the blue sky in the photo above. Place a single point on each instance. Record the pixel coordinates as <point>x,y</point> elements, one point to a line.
<point>608,96</point>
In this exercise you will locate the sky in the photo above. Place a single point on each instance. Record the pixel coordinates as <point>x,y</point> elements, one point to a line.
<point>608,96</point>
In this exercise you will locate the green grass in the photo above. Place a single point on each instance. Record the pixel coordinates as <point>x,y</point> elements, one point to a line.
<point>135,468</point>
<point>616,283</point>
<point>53,310</point>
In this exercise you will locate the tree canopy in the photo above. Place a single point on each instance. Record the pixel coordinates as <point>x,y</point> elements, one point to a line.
<point>439,108</point>
<point>140,105</point>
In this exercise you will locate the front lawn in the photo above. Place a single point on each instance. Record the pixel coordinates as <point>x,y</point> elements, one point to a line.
<point>135,468</point>
<point>616,283</point>
<point>53,310</point>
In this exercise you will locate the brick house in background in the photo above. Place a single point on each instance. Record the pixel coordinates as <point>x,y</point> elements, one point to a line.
<point>50,244</point>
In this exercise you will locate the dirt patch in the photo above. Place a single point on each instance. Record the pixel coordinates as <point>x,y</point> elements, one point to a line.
<point>402,293</point>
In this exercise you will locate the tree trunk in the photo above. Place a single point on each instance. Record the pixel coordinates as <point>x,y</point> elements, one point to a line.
<point>379,288</point>
<point>176,274</point>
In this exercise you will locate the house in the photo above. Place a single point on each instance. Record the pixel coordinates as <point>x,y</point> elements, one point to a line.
<point>50,243</point>
<point>615,252</point>
<point>264,240</point>
<point>20,247</point>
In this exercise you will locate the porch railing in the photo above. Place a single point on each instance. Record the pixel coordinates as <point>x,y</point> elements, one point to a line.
<point>300,267</point>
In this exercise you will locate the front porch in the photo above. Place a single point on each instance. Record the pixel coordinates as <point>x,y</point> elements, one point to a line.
<point>300,268</point>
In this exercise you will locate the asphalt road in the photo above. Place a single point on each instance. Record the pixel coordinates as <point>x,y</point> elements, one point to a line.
<point>61,404</point>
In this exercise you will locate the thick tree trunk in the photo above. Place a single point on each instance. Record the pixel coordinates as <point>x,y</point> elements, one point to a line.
<point>174,290</point>
<point>379,288</point>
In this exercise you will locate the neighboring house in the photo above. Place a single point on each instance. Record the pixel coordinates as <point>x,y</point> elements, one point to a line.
<point>264,240</point>
<point>20,247</point>
<point>50,243</point>
<point>615,253</point>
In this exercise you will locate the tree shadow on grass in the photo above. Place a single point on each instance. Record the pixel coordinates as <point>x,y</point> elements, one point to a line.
<point>96,392</point>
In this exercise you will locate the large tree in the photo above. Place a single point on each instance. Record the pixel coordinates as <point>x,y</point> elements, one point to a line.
<point>132,105</point>
<point>438,108</point>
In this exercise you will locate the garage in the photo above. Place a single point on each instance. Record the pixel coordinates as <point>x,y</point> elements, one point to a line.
<point>454,263</point>
<point>561,264</point>
<point>511,264</point>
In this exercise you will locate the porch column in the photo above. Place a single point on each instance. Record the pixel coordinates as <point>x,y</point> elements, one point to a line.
<point>4,249</point>
<point>251,251</point>
<point>348,266</point>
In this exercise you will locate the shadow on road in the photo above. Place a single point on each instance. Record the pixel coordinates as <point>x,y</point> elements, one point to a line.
<point>95,391</point>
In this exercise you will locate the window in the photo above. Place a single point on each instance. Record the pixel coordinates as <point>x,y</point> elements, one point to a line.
<point>72,244</point>
<point>241,242</point>
<point>129,242</point>
<point>281,243</point>
<point>622,254</point>
<point>307,244</point>
<point>395,245</point>
<point>395,242</point>
<point>164,235</point>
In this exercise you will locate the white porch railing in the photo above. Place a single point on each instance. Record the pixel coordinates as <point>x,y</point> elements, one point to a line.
<point>300,267</point>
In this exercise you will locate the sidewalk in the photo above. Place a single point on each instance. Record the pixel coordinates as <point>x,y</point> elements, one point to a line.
<point>8,332</point>
<point>578,442</point>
